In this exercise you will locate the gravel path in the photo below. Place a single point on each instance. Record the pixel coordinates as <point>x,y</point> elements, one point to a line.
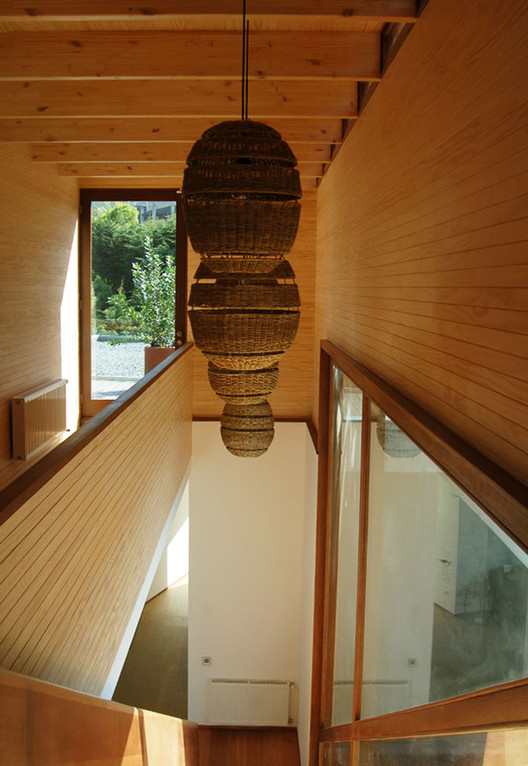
<point>124,360</point>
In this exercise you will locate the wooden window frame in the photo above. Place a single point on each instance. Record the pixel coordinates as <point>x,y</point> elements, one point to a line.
<point>89,406</point>
<point>505,500</point>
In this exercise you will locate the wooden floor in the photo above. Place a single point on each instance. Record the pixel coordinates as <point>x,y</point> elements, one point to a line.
<point>154,676</point>
<point>248,747</point>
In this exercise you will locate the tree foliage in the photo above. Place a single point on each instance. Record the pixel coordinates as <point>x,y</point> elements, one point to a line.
<point>150,311</point>
<point>118,241</point>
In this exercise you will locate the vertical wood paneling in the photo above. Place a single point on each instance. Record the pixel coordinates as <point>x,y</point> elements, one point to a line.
<point>37,239</point>
<point>422,257</point>
<point>42,723</point>
<point>292,398</point>
<point>75,556</point>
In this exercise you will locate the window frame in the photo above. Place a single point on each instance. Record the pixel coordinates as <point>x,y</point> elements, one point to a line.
<point>502,497</point>
<point>89,406</point>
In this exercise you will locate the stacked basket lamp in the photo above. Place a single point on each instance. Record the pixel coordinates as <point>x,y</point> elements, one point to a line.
<point>241,194</point>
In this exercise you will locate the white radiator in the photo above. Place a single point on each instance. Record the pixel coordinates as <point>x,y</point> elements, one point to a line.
<point>37,416</point>
<point>377,698</point>
<point>245,702</point>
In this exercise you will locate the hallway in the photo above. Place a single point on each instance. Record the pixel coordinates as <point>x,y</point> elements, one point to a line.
<point>154,675</point>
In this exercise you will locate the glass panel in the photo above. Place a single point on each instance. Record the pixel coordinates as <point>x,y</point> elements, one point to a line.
<point>336,754</point>
<point>495,748</point>
<point>344,527</point>
<point>447,590</point>
<point>133,246</point>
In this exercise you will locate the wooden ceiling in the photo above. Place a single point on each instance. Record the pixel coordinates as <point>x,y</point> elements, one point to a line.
<point>115,93</point>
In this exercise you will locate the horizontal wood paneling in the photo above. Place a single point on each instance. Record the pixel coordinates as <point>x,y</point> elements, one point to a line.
<point>44,724</point>
<point>75,555</point>
<point>422,229</point>
<point>292,398</point>
<point>38,246</point>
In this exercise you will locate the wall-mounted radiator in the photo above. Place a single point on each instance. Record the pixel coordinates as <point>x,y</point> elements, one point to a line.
<point>245,702</point>
<point>37,416</point>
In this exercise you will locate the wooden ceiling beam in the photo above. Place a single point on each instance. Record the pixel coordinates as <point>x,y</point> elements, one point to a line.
<point>135,98</point>
<point>309,185</point>
<point>188,10</point>
<point>151,129</point>
<point>182,55</point>
<point>147,152</point>
<point>172,169</point>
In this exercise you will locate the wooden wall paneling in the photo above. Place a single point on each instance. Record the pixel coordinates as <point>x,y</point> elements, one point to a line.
<point>39,214</point>
<point>43,723</point>
<point>422,267</point>
<point>292,398</point>
<point>75,555</point>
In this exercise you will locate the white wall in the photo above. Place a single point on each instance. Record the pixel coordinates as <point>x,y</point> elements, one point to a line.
<point>307,607</point>
<point>247,534</point>
<point>174,562</point>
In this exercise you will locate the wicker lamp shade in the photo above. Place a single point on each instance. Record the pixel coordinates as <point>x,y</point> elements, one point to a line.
<point>243,386</point>
<point>244,323</point>
<point>247,431</point>
<point>392,440</point>
<point>241,190</point>
<point>233,267</point>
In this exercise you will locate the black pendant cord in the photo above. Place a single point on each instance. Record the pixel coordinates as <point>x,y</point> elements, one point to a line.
<point>247,68</point>
<point>245,62</point>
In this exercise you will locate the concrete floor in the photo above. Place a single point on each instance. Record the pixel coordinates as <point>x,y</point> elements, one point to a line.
<point>154,675</point>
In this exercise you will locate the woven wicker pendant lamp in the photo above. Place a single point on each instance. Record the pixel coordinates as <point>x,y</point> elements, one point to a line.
<point>241,192</point>
<point>247,431</point>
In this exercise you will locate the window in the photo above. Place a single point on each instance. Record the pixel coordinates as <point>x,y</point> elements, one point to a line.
<point>422,651</point>
<point>133,287</point>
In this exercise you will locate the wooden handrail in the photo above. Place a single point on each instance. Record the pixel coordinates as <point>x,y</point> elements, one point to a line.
<point>20,490</point>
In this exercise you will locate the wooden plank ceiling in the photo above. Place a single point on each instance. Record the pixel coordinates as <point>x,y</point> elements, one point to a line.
<point>115,93</point>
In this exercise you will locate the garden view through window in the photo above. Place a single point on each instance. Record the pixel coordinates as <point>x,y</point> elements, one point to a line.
<point>132,274</point>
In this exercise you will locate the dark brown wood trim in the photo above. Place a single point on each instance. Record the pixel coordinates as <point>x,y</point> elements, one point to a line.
<point>503,497</point>
<point>337,733</point>
<point>116,195</point>
<point>332,563</point>
<point>180,298</point>
<point>20,490</point>
<point>362,558</point>
<point>320,556</point>
<point>312,428</point>
<point>504,706</point>
<point>393,36</point>
<point>85,270</point>
<point>90,407</point>
<point>420,7</point>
